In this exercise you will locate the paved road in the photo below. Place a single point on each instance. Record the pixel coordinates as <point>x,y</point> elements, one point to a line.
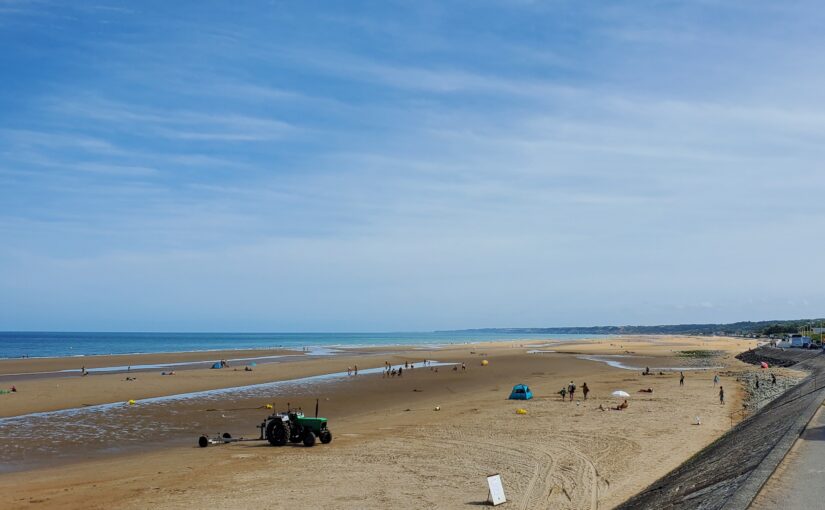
<point>799,481</point>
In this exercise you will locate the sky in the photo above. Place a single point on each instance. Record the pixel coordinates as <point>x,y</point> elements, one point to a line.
<point>399,166</point>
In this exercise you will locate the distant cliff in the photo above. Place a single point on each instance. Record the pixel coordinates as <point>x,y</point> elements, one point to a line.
<point>735,328</point>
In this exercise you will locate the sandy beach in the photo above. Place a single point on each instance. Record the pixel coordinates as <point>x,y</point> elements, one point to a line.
<point>391,448</point>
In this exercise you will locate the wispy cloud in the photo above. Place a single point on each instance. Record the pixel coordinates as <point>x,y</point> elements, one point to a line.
<point>191,125</point>
<point>569,163</point>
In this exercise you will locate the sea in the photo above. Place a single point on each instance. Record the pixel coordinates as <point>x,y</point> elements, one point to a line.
<point>66,344</point>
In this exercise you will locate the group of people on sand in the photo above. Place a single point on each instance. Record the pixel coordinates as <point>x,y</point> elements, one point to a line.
<point>352,370</point>
<point>621,407</point>
<point>571,390</point>
<point>391,371</point>
<point>648,372</point>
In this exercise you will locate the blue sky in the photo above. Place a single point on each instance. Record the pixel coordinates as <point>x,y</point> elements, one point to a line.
<point>368,166</point>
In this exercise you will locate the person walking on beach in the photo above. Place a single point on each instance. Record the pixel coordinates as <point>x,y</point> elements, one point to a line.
<point>571,389</point>
<point>356,370</point>
<point>563,393</point>
<point>349,370</point>
<point>681,378</point>
<point>715,380</point>
<point>585,390</point>
<point>773,379</point>
<point>400,371</point>
<point>721,395</point>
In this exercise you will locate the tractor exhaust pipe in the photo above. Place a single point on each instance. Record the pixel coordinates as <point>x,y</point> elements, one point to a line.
<point>316,407</point>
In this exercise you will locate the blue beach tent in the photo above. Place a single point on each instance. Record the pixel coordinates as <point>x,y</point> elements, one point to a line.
<point>521,392</point>
<point>217,365</point>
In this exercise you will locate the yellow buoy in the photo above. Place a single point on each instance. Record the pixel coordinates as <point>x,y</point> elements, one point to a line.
<point>521,411</point>
<point>484,363</point>
<point>131,402</point>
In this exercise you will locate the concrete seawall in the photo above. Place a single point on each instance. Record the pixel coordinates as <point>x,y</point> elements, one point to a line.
<point>727,474</point>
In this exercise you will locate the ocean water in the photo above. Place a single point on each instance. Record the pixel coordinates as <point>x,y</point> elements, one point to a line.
<point>56,344</point>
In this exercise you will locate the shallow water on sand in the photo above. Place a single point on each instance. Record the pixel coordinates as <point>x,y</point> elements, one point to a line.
<point>35,439</point>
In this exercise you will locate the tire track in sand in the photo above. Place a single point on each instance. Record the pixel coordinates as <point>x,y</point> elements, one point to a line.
<point>541,467</point>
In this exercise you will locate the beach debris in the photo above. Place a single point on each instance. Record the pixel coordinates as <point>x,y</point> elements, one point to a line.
<point>620,394</point>
<point>269,406</point>
<point>437,408</point>
<point>697,421</point>
<point>521,411</point>
<point>484,363</point>
<point>131,402</point>
<point>763,364</point>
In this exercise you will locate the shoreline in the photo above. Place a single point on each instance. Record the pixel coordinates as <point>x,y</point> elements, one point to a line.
<point>273,341</point>
<point>385,428</point>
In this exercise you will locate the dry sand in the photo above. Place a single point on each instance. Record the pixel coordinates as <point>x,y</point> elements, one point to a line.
<point>392,449</point>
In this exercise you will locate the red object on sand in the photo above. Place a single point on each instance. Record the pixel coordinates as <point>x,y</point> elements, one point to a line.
<point>764,364</point>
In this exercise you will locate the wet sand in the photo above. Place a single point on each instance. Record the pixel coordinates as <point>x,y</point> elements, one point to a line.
<point>558,455</point>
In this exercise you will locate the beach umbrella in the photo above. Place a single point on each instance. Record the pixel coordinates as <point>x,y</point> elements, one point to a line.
<point>620,393</point>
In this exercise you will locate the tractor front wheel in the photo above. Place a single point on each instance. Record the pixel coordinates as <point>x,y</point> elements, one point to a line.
<point>325,436</point>
<point>309,439</point>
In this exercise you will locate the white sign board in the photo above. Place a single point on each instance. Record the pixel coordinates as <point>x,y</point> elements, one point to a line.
<point>496,496</point>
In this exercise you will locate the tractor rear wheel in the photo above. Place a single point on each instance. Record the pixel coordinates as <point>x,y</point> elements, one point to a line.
<point>325,436</point>
<point>309,439</point>
<point>277,433</point>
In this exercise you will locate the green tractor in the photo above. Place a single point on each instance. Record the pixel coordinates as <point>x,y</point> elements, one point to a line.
<point>292,426</point>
